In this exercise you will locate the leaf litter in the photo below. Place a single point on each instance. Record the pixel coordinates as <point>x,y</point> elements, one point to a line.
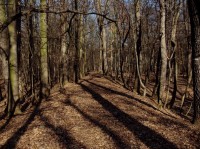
<point>97,113</point>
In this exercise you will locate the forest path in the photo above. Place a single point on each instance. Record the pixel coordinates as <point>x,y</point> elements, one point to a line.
<point>97,113</point>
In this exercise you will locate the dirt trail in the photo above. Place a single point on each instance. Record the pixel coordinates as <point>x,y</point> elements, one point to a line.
<point>96,114</point>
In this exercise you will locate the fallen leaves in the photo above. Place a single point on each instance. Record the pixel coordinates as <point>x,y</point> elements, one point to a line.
<point>76,118</point>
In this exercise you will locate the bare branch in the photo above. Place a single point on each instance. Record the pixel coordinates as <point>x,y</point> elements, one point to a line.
<point>31,10</point>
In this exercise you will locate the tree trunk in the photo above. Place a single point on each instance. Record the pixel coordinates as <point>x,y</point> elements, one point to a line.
<point>102,34</point>
<point>44,88</point>
<point>189,54</point>
<point>13,64</point>
<point>174,52</point>
<point>194,13</point>
<point>63,59</point>
<point>82,52</point>
<point>31,51</point>
<point>138,36</point>
<point>77,45</point>
<point>4,47</point>
<point>162,82</point>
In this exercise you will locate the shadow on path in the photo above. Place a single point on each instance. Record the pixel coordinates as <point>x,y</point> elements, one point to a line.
<point>121,94</point>
<point>148,136</point>
<point>128,96</point>
<point>12,141</point>
<point>64,138</point>
<point>118,141</point>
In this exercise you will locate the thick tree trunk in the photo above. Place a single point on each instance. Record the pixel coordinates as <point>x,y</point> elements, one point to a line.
<point>43,52</point>
<point>194,13</point>
<point>162,83</point>
<point>13,65</point>
<point>4,47</point>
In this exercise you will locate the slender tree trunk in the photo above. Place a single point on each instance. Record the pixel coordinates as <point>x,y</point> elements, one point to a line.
<point>77,45</point>
<point>18,28</point>
<point>102,34</point>
<point>155,90</point>
<point>104,47</point>
<point>82,53</point>
<point>138,38</point>
<point>63,59</point>
<point>113,49</point>
<point>31,51</point>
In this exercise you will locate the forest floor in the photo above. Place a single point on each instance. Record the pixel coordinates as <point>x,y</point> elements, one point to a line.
<point>97,113</point>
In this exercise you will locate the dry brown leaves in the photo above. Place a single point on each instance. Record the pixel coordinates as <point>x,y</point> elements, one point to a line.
<point>97,113</point>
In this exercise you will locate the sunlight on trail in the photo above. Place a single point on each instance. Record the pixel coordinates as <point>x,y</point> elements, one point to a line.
<point>97,114</point>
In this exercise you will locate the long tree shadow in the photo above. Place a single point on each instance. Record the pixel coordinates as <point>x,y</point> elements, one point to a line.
<point>163,120</point>
<point>141,102</point>
<point>149,137</point>
<point>65,139</point>
<point>121,94</point>
<point>6,122</point>
<point>12,141</point>
<point>118,141</point>
<point>2,116</point>
<point>125,95</point>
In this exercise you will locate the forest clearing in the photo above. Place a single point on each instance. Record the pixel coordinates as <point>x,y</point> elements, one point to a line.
<point>100,74</point>
<point>98,113</point>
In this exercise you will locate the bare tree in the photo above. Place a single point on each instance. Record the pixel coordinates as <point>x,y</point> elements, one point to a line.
<point>163,48</point>
<point>194,12</point>
<point>44,52</point>
<point>4,48</point>
<point>102,36</point>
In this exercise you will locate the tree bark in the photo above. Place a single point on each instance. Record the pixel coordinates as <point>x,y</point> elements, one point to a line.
<point>43,52</point>
<point>82,52</point>
<point>162,83</point>
<point>77,45</point>
<point>174,56</point>
<point>102,34</point>
<point>194,13</point>
<point>31,50</point>
<point>138,36</point>
<point>63,59</point>
<point>13,64</point>
<point>4,47</point>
